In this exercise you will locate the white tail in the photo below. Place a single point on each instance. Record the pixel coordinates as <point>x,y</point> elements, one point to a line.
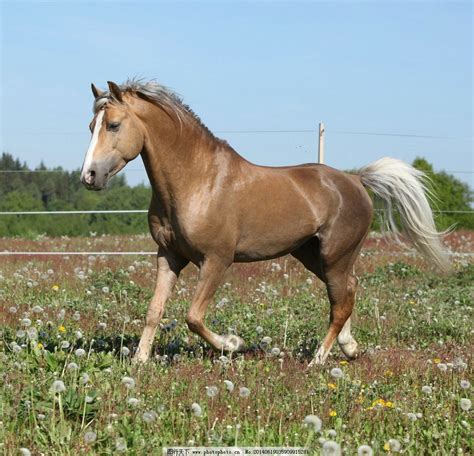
<point>402,187</point>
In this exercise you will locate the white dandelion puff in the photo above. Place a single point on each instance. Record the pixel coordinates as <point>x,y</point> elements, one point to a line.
<point>365,450</point>
<point>427,389</point>
<point>150,416</point>
<point>337,373</point>
<point>465,404</point>
<point>229,386</point>
<point>196,409</point>
<point>125,351</point>
<point>72,366</point>
<point>80,352</point>
<point>394,445</point>
<point>331,448</point>
<point>133,401</point>
<point>25,452</point>
<point>442,367</point>
<point>58,386</point>
<point>128,382</point>
<point>120,444</point>
<point>465,384</point>
<point>244,392</point>
<point>212,391</point>
<point>90,436</point>
<point>412,416</point>
<point>313,422</point>
<point>85,378</point>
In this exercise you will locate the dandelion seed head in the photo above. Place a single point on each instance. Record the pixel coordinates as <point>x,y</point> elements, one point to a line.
<point>25,452</point>
<point>128,382</point>
<point>229,385</point>
<point>90,436</point>
<point>65,344</point>
<point>80,352</point>
<point>411,416</point>
<point>133,401</point>
<point>331,448</point>
<point>313,422</point>
<point>336,372</point>
<point>58,386</point>
<point>196,409</point>
<point>149,416</point>
<point>85,378</point>
<point>465,404</point>
<point>442,367</point>
<point>365,450</point>
<point>427,389</point>
<point>125,351</point>
<point>465,384</point>
<point>120,444</point>
<point>212,391</point>
<point>244,392</point>
<point>72,366</point>
<point>394,445</point>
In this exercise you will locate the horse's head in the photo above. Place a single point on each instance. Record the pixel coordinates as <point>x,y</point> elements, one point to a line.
<point>117,137</point>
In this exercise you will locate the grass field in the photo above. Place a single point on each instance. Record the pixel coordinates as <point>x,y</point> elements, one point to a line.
<point>70,326</point>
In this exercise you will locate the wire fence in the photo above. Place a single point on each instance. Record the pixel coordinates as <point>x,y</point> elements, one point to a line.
<point>143,211</point>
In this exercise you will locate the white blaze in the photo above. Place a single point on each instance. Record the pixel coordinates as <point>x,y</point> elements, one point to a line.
<point>95,137</point>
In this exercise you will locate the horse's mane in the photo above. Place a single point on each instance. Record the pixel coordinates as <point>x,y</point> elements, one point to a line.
<point>159,95</point>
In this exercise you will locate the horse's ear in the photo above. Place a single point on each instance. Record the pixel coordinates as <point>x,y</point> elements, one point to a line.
<point>97,92</point>
<point>115,91</point>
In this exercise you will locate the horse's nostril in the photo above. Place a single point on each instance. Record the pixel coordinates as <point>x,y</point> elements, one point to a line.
<point>92,173</point>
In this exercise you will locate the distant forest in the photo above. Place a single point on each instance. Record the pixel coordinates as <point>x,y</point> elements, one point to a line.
<point>25,190</point>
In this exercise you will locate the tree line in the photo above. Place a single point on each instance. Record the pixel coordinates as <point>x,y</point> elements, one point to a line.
<point>55,189</point>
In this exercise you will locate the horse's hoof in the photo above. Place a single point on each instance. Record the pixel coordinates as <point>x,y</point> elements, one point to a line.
<point>232,343</point>
<point>351,349</point>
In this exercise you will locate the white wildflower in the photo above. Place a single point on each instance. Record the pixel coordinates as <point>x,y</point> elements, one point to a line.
<point>90,436</point>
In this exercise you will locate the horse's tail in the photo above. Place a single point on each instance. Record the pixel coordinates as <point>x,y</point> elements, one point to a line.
<point>404,188</point>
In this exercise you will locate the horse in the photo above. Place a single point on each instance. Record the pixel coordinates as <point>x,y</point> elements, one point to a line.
<point>212,207</point>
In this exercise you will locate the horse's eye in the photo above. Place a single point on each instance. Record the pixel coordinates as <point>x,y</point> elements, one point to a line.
<point>113,126</point>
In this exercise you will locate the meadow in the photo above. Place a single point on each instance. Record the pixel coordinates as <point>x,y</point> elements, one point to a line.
<point>70,325</point>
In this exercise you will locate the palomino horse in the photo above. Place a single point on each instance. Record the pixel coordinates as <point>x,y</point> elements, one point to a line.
<point>212,207</point>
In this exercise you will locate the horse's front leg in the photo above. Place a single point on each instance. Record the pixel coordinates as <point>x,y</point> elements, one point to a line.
<point>210,275</point>
<point>169,267</point>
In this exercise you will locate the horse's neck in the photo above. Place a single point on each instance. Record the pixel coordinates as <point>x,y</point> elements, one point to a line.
<point>177,165</point>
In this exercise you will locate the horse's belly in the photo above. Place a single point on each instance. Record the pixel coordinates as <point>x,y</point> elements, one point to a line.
<point>273,242</point>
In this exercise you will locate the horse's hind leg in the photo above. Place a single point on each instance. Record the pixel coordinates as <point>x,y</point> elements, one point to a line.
<point>341,286</point>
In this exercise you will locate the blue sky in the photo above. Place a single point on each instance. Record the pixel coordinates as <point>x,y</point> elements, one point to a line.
<point>393,67</point>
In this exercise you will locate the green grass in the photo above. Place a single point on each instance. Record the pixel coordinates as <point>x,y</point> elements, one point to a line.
<point>408,321</point>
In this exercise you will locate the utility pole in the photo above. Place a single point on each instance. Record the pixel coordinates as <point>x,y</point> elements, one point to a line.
<point>321,143</point>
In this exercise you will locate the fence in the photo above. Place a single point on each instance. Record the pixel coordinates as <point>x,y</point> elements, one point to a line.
<point>321,159</point>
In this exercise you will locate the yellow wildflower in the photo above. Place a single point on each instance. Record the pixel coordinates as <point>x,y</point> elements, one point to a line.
<point>437,360</point>
<point>332,386</point>
<point>343,362</point>
<point>40,346</point>
<point>389,404</point>
<point>389,373</point>
<point>55,288</point>
<point>332,413</point>
<point>61,329</point>
<point>386,446</point>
